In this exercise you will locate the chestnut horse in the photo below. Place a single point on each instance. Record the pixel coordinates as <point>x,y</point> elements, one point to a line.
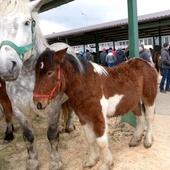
<point>7,109</point>
<point>97,93</point>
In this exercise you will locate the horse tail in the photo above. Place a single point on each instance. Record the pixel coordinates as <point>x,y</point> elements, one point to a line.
<point>142,106</point>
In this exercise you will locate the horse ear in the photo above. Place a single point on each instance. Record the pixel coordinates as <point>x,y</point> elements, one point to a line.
<point>47,48</point>
<point>59,55</point>
<point>36,5</point>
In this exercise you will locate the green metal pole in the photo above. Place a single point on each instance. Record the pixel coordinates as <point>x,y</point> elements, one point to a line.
<point>133,47</point>
<point>97,47</point>
<point>113,44</point>
<point>133,28</point>
<point>66,40</point>
<point>154,42</point>
<point>160,37</point>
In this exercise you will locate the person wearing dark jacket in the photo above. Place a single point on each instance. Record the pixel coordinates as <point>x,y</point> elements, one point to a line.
<point>143,54</point>
<point>165,64</point>
<point>120,55</point>
<point>103,57</point>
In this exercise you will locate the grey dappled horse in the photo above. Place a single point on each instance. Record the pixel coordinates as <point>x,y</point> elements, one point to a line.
<point>21,42</point>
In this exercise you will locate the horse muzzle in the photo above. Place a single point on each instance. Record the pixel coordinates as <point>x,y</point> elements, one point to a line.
<point>9,69</point>
<point>40,103</point>
<point>39,106</point>
<point>9,77</point>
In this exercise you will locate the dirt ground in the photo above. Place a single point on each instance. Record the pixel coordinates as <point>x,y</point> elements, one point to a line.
<point>74,150</point>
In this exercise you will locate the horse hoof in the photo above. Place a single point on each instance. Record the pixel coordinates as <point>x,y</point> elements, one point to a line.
<point>5,142</point>
<point>70,128</point>
<point>8,137</point>
<point>134,142</point>
<point>104,167</point>
<point>148,143</point>
<point>32,164</point>
<point>90,163</point>
<point>56,165</point>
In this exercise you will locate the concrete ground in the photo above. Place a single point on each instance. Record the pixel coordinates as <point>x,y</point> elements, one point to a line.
<point>162,102</point>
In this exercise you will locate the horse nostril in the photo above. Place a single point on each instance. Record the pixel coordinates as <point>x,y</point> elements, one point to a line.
<point>39,105</point>
<point>13,65</point>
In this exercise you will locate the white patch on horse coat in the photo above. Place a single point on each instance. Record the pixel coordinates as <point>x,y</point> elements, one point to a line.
<point>104,145</point>
<point>109,105</point>
<point>99,69</point>
<point>42,65</point>
<point>102,141</point>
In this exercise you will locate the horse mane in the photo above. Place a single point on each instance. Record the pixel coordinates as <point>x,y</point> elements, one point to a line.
<point>11,7</point>
<point>49,54</point>
<point>99,69</point>
<point>82,65</point>
<point>79,63</point>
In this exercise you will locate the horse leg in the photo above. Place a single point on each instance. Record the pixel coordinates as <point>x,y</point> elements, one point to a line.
<point>28,135</point>
<point>150,110</point>
<point>102,141</point>
<point>1,112</point>
<point>53,137</point>
<point>94,152</point>
<point>67,117</point>
<point>137,135</point>
<point>104,147</point>
<point>69,122</point>
<point>7,108</point>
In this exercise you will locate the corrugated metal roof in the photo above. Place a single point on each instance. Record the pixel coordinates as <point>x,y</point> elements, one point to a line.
<point>120,26</point>
<point>49,4</point>
<point>142,18</point>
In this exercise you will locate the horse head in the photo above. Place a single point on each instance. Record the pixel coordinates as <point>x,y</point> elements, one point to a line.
<point>49,77</point>
<point>17,26</point>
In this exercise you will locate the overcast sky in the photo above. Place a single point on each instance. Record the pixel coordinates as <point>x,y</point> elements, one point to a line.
<point>81,13</point>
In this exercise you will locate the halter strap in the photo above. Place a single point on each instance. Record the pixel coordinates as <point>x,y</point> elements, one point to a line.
<point>23,49</point>
<point>49,96</point>
<point>20,50</point>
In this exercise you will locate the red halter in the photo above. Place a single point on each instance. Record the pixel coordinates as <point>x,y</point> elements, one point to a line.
<point>49,96</point>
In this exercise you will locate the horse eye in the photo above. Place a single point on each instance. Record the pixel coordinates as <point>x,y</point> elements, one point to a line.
<point>49,73</point>
<point>27,23</point>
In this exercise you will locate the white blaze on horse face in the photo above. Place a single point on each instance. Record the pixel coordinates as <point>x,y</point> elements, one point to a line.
<point>42,65</point>
<point>109,105</point>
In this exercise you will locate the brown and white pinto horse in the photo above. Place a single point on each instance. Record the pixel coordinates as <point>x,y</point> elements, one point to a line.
<point>7,110</point>
<point>97,93</point>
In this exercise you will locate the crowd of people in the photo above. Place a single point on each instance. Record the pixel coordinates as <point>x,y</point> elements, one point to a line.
<point>111,57</point>
<point>86,55</point>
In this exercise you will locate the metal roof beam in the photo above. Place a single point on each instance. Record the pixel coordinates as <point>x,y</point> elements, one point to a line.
<point>50,4</point>
<point>151,25</point>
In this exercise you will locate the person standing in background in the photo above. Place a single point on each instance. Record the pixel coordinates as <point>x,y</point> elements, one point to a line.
<point>110,59</point>
<point>150,57</point>
<point>165,64</point>
<point>143,54</point>
<point>102,57</point>
<point>120,56</point>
